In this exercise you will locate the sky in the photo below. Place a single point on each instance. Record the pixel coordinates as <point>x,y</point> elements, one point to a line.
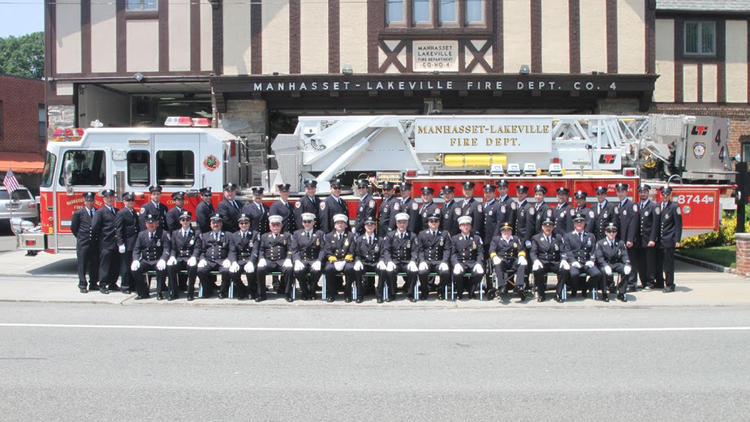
<point>21,17</point>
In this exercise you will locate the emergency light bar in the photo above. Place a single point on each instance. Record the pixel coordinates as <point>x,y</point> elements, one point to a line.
<point>185,121</point>
<point>67,134</point>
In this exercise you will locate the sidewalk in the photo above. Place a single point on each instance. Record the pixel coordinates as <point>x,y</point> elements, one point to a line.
<point>52,278</point>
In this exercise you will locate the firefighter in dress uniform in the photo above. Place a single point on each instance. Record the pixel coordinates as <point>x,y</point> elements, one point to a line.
<point>546,253</point>
<point>583,209</point>
<point>87,253</point>
<point>274,255</point>
<point>386,207</point>
<point>366,251</point>
<point>229,209</point>
<point>173,215</point>
<point>183,243</point>
<point>150,253</point>
<point>490,220</point>
<point>604,213</point>
<point>563,213</point>
<point>407,206</point>
<point>400,255</point>
<point>307,254</point>
<point>427,209</point>
<point>338,258</point>
<point>126,232</point>
<point>333,205</point>
<point>204,211</point>
<point>366,207</point>
<point>244,243</point>
<point>283,208</point>
<point>645,245</point>
<point>470,207</point>
<point>626,220</point>
<point>578,257</point>
<point>104,230</point>
<point>507,253</point>
<point>539,212</point>
<point>467,255</point>
<point>506,208</point>
<point>258,212</point>
<point>670,236</point>
<point>308,203</point>
<point>433,253</point>
<point>156,208</point>
<point>523,229</point>
<point>612,257</point>
<point>214,255</point>
<point>449,224</point>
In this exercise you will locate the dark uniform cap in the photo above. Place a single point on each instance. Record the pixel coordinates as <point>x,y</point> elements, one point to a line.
<point>427,190</point>
<point>257,190</point>
<point>150,218</point>
<point>243,217</point>
<point>489,188</point>
<point>336,183</point>
<point>506,226</point>
<point>522,189</point>
<point>578,218</point>
<point>185,215</point>
<point>611,227</point>
<point>666,190</point>
<point>363,183</point>
<point>447,189</point>
<point>311,183</point>
<point>156,188</point>
<point>502,183</point>
<point>178,195</point>
<point>644,187</point>
<point>621,187</point>
<point>283,187</point>
<point>230,187</point>
<point>548,222</point>
<point>205,191</point>
<point>601,190</point>
<point>387,185</point>
<point>369,220</point>
<point>128,196</point>
<point>216,217</point>
<point>108,192</point>
<point>405,186</point>
<point>89,196</point>
<point>468,185</point>
<point>581,194</point>
<point>433,217</point>
<point>562,190</point>
<point>540,188</point>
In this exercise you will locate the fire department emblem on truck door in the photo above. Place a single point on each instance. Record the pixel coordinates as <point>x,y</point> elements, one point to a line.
<point>699,149</point>
<point>211,163</point>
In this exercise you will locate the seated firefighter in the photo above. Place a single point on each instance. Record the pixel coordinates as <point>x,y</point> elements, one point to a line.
<point>508,256</point>
<point>433,252</point>
<point>307,253</point>
<point>184,241</point>
<point>274,255</point>
<point>214,255</point>
<point>150,253</point>
<point>578,257</point>
<point>366,251</point>
<point>612,257</point>
<point>545,254</point>
<point>399,256</point>
<point>244,244</point>
<point>467,255</point>
<point>339,258</point>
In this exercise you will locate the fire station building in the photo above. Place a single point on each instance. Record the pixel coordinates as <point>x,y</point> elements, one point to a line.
<point>255,66</point>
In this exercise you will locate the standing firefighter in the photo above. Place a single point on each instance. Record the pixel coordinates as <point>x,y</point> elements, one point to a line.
<point>126,232</point>
<point>283,208</point>
<point>87,253</point>
<point>366,207</point>
<point>308,203</point>
<point>671,233</point>
<point>104,229</point>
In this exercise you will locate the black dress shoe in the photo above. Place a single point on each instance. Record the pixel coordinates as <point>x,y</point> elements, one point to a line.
<point>159,296</point>
<point>440,296</point>
<point>388,299</point>
<point>521,294</point>
<point>540,299</point>
<point>573,293</point>
<point>103,290</point>
<point>126,291</point>
<point>330,299</point>
<point>260,299</point>
<point>631,289</point>
<point>139,297</point>
<point>82,290</point>
<point>289,299</point>
<point>411,299</point>
<point>190,297</point>
<point>171,298</point>
<point>491,294</point>
<point>347,299</point>
<point>222,295</point>
<point>380,300</point>
<point>605,297</point>
<point>669,289</point>
<point>359,300</point>
<point>558,299</point>
<point>621,297</point>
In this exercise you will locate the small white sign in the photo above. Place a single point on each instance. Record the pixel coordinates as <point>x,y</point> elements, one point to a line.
<point>431,56</point>
<point>482,134</point>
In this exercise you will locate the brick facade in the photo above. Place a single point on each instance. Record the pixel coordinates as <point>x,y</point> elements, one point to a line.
<point>21,98</point>
<point>743,254</point>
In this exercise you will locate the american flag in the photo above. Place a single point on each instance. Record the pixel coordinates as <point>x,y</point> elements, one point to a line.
<point>10,181</point>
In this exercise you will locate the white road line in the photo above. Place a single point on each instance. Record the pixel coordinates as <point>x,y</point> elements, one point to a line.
<point>377,330</point>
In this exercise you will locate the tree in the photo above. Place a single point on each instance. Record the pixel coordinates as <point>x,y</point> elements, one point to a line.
<point>23,56</point>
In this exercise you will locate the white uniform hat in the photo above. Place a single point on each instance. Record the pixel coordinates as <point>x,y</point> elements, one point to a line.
<point>340,217</point>
<point>402,216</point>
<point>308,216</point>
<point>464,219</point>
<point>275,219</point>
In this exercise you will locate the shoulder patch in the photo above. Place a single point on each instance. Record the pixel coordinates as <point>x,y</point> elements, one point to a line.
<point>479,207</point>
<point>372,203</point>
<point>635,207</point>
<point>414,206</point>
<point>591,214</point>
<point>502,209</point>
<point>532,210</point>
<point>657,210</point>
<point>396,206</point>
<point>512,205</point>
<point>457,211</point>
<point>678,210</point>
<point>143,210</point>
<point>298,204</point>
<point>617,210</point>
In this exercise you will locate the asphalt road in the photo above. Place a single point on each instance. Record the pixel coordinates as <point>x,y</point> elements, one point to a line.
<point>150,362</point>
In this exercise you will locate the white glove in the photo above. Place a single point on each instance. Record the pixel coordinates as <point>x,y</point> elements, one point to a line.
<point>390,267</point>
<point>537,265</point>
<point>458,269</point>
<point>577,264</point>
<point>381,265</point>
<point>564,265</point>
<point>358,266</point>
<point>590,264</point>
<point>172,260</point>
<point>262,263</point>
<point>315,266</point>
<point>121,248</point>
<point>423,266</point>
<point>287,263</point>
<point>202,263</point>
<point>249,267</point>
<point>443,267</point>
<point>626,269</point>
<point>192,261</point>
<point>161,265</point>
<point>478,269</point>
<point>412,267</point>
<point>226,263</point>
<point>339,265</point>
<point>234,268</point>
<point>135,265</point>
<point>607,270</point>
<point>496,260</point>
<point>522,261</point>
<point>298,265</point>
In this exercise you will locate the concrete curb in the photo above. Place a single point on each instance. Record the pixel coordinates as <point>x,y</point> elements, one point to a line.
<point>705,264</point>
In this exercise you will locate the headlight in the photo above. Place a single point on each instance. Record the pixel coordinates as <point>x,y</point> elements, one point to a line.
<point>15,225</point>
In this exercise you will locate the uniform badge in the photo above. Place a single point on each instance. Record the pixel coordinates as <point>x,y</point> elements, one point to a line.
<point>377,248</point>
<point>490,213</point>
<point>414,206</point>
<point>441,241</point>
<point>513,205</point>
<point>532,210</point>
<point>624,212</point>
<point>515,245</point>
<point>502,209</point>
<point>591,214</point>
<point>549,213</point>
<point>322,205</point>
<point>605,214</point>
<point>361,209</point>
<point>557,247</point>
<point>457,211</point>
<point>645,214</point>
<point>284,242</point>
<point>317,242</point>
<point>372,203</point>
<point>396,207</point>
<point>297,204</point>
<point>479,207</point>
<point>473,244</point>
<point>408,245</point>
<point>143,210</point>
<point>158,243</point>
<point>635,208</point>
<point>346,242</point>
<point>191,242</point>
<point>678,211</point>
<point>657,210</point>
<point>562,214</point>
<point>666,216</point>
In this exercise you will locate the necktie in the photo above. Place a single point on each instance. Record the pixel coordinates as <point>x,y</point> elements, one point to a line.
<point>662,206</point>
<point>91,213</point>
<point>581,237</point>
<point>611,245</point>
<point>369,240</point>
<point>184,233</point>
<point>151,236</point>
<point>309,235</point>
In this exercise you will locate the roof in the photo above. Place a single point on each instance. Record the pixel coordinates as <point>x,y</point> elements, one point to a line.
<point>22,162</point>
<point>704,5</point>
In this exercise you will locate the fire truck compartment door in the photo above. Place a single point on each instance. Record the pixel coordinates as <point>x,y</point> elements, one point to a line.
<point>176,160</point>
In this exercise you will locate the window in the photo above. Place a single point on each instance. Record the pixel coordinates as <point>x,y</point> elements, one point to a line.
<point>138,168</point>
<point>138,5</point>
<point>447,12</point>
<point>394,11</point>
<point>49,170</point>
<point>42,122</point>
<point>745,152</point>
<point>421,11</point>
<point>82,168</point>
<point>700,38</point>
<point>1,119</point>
<point>474,12</point>
<point>175,168</point>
